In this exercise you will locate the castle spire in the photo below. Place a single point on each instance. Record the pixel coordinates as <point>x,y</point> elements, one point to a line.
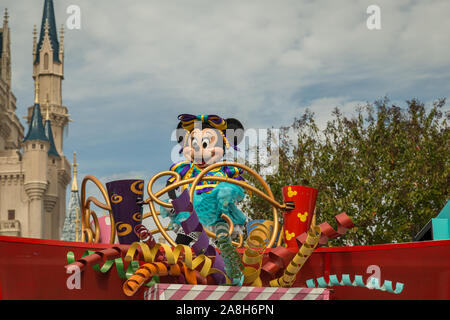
<point>48,24</point>
<point>47,117</point>
<point>36,130</point>
<point>49,134</point>
<point>61,36</point>
<point>5,17</point>
<point>36,92</point>
<point>34,40</point>
<point>71,223</point>
<point>75,171</point>
<point>5,51</point>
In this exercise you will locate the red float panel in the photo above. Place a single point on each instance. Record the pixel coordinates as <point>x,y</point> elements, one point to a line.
<point>34,269</point>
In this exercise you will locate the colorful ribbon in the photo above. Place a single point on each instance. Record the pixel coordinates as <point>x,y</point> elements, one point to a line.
<point>179,261</point>
<point>253,255</point>
<point>187,121</point>
<point>280,257</point>
<point>233,264</point>
<point>291,271</point>
<point>358,282</point>
<point>195,267</point>
<point>161,260</point>
<point>327,232</point>
<point>108,264</point>
<point>144,235</point>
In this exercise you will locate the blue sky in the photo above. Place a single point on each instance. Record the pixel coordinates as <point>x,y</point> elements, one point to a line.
<point>135,65</point>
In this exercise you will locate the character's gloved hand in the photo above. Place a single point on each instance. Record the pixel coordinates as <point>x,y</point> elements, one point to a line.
<point>172,194</point>
<point>140,201</point>
<point>289,205</point>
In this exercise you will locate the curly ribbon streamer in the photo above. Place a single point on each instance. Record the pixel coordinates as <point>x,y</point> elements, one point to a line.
<point>144,235</point>
<point>172,265</point>
<point>178,261</point>
<point>137,276</point>
<point>253,254</point>
<point>343,224</point>
<point>149,270</point>
<point>233,264</point>
<point>291,271</point>
<point>94,258</point>
<point>280,257</point>
<point>108,264</point>
<point>358,282</point>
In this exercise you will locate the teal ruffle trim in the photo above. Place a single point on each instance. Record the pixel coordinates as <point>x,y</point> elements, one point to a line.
<point>210,206</point>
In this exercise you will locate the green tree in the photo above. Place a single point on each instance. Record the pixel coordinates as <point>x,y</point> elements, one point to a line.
<point>386,167</point>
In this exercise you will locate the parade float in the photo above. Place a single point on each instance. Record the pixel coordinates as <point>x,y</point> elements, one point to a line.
<point>285,258</point>
<point>293,266</point>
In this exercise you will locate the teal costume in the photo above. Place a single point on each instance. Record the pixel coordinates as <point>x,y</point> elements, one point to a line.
<point>211,198</point>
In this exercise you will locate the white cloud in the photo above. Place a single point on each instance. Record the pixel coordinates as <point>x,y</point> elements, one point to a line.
<point>323,107</point>
<point>134,65</point>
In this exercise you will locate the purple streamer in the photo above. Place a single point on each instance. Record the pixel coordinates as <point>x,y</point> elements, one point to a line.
<point>201,246</point>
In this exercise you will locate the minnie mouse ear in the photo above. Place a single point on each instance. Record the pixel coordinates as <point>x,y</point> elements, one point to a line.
<point>234,131</point>
<point>180,134</point>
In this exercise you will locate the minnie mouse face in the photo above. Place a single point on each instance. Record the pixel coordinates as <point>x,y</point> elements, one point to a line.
<point>205,145</point>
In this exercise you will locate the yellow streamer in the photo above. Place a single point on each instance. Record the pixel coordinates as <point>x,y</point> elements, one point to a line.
<point>290,273</point>
<point>253,255</point>
<point>152,268</point>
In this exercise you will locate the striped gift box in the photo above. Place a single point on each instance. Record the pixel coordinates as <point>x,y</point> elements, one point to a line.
<point>166,291</point>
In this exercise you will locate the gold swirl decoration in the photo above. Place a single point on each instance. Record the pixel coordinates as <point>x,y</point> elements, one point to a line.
<point>178,260</point>
<point>137,217</point>
<point>267,196</point>
<point>93,235</point>
<point>123,229</point>
<point>137,187</point>
<point>87,233</point>
<point>115,198</point>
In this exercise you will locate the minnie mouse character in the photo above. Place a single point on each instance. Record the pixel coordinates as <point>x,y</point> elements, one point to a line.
<point>204,140</point>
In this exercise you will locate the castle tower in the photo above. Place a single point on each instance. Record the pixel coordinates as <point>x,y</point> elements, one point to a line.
<point>48,69</point>
<point>13,199</point>
<point>11,130</point>
<point>35,162</point>
<point>51,220</point>
<point>34,173</point>
<point>71,227</point>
